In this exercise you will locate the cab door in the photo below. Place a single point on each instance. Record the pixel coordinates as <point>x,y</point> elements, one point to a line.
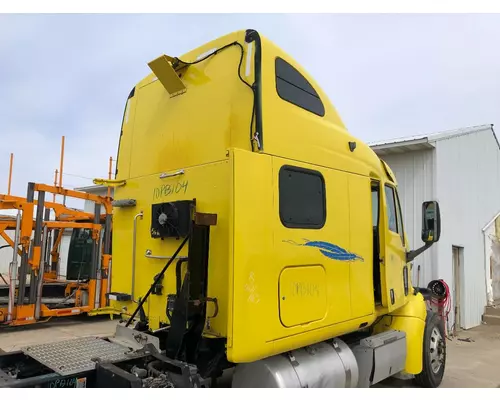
<point>393,261</point>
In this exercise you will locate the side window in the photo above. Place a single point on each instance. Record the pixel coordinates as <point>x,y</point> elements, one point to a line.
<point>302,199</point>
<point>391,209</point>
<point>294,88</point>
<point>375,206</point>
<point>400,220</point>
<point>394,212</point>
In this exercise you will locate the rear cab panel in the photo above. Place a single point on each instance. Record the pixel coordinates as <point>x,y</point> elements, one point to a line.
<point>187,138</point>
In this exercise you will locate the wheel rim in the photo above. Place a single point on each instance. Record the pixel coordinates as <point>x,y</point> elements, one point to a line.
<point>436,350</point>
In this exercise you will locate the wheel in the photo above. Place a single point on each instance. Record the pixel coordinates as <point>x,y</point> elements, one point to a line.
<point>434,353</point>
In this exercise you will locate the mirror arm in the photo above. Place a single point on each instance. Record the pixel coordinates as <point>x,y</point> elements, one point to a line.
<point>411,255</point>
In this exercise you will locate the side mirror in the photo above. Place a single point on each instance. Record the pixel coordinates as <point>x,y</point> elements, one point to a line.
<point>431,222</point>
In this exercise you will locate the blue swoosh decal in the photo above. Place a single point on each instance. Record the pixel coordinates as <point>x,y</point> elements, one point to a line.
<point>329,250</point>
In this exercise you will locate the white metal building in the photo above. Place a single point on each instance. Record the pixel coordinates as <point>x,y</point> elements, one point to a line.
<point>461,170</point>
<point>94,189</point>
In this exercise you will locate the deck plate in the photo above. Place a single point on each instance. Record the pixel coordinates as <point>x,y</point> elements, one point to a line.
<point>75,355</point>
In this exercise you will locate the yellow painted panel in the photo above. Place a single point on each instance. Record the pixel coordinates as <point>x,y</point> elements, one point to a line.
<point>199,126</point>
<point>263,247</point>
<point>304,246</point>
<point>410,319</point>
<point>254,278</point>
<point>302,295</point>
<point>209,185</point>
<point>294,133</point>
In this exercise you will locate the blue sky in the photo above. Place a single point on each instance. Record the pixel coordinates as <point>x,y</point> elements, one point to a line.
<point>388,76</point>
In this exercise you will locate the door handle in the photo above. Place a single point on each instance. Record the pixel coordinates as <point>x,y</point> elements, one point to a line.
<point>149,254</point>
<point>169,175</point>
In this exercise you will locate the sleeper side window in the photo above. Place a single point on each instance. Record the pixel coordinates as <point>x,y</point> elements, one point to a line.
<point>302,198</point>
<point>294,88</point>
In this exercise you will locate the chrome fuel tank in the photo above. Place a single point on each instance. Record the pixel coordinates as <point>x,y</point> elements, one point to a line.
<point>323,365</point>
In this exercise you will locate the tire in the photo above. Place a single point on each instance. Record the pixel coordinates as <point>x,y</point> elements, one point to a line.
<point>434,353</point>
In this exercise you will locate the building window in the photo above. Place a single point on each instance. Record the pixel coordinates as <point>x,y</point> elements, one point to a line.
<point>294,88</point>
<point>302,199</point>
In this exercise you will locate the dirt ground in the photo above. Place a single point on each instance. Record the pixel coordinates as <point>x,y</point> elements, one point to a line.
<point>473,359</point>
<point>474,364</point>
<point>62,329</point>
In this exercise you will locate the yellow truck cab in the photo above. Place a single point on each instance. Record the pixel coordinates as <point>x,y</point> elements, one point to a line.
<point>253,232</point>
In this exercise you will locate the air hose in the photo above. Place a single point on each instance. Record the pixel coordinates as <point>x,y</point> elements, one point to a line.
<point>440,298</point>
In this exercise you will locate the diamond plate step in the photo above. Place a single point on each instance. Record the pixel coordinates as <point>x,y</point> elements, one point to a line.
<point>75,355</point>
